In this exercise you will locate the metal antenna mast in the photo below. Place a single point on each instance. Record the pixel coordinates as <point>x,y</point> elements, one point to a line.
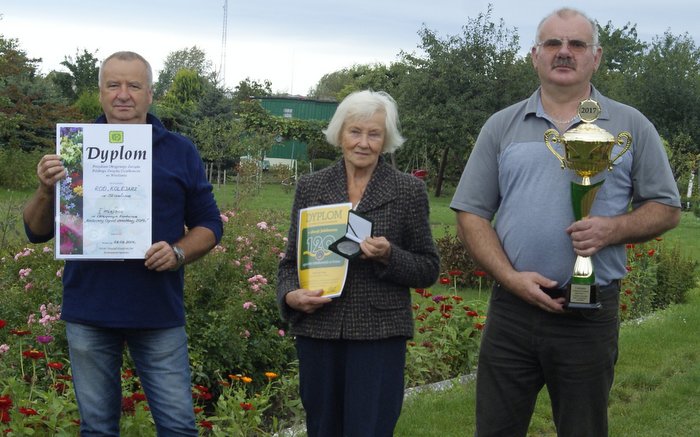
<point>224,31</point>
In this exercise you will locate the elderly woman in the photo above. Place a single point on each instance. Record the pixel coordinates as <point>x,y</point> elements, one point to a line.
<point>352,348</point>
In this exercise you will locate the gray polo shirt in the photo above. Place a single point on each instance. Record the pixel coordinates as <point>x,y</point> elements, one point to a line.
<point>511,172</point>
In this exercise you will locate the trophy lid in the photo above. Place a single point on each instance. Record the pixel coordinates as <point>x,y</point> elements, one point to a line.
<point>588,111</point>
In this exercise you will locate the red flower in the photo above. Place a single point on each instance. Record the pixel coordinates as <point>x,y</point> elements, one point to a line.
<point>4,417</point>
<point>628,292</point>
<point>59,387</point>
<point>651,252</point>
<point>628,268</point>
<point>455,273</point>
<point>5,402</point>
<point>446,315</point>
<point>658,239</point>
<point>2,323</point>
<point>430,309</point>
<point>630,246</point>
<point>247,406</point>
<point>479,326</point>
<point>421,317</point>
<point>206,424</point>
<point>445,308</point>
<point>201,388</point>
<point>19,332</point>
<point>28,411</point>
<point>128,405</point>
<point>33,354</point>
<point>128,373</point>
<point>420,291</point>
<point>444,281</point>
<point>472,313</point>
<point>479,273</point>
<point>65,377</point>
<point>623,307</point>
<point>55,365</point>
<point>138,397</point>
<point>457,299</point>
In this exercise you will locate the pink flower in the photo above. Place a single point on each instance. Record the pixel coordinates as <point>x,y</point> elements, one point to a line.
<point>281,332</point>
<point>248,305</point>
<point>262,225</point>
<point>28,286</point>
<point>59,272</point>
<point>23,273</point>
<point>4,348</point>
<point>47,249</point>
<point>25,252</point>
<point>224,218</point>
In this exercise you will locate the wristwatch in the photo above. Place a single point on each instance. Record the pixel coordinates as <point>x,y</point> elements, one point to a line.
<point>179,256</point>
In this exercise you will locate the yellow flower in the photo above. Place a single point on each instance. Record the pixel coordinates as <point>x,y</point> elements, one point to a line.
<point>247,379</point>
<point>270,375</point>
<point>78,190</point>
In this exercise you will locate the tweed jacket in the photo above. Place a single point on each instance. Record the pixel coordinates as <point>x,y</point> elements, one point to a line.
<point>376,301</point>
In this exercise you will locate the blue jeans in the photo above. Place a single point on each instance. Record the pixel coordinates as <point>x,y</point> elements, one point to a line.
<point>162,364</point>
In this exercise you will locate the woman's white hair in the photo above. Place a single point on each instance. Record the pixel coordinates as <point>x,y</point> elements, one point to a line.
<point>362,105</point>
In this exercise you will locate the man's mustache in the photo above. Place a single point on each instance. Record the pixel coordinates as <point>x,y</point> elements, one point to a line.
<point>564,62</point>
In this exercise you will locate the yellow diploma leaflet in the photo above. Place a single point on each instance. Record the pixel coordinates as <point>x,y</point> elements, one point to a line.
<point>318,267</point>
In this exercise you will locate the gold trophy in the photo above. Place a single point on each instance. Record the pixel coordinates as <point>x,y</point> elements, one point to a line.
<point>587,150</point>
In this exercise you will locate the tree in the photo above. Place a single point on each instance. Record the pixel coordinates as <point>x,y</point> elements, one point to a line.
<point>178,109</point>
<point>194,59</point>
<point>248,88</point>
<point>30,105</point>
<point>446,95</point>
<point>621,51</point>
<point>82,77</point>
<point>666,86</point>
<point>378,77</point>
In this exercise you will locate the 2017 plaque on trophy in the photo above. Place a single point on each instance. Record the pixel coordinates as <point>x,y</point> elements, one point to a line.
<point>587,150</point>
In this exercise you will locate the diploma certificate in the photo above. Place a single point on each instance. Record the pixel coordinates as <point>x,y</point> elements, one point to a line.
<point>104,202</point>
<point>318,267</point>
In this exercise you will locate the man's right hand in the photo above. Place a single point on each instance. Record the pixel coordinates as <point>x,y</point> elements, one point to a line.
<point>528,287</point>
<point>50,170</point>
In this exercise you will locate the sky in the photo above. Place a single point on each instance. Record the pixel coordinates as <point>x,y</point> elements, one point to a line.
<point>293,43</point>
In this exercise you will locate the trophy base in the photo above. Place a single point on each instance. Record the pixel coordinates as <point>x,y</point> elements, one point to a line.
<point>582,297</point>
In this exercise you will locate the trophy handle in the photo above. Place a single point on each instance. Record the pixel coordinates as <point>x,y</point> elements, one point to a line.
<point>628,143</point>
<point>553,135</point>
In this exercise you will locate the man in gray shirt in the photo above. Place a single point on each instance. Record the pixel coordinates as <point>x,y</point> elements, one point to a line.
<point>531,339</point>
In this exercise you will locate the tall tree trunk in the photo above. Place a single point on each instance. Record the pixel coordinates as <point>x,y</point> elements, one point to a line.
<point>441,172</point>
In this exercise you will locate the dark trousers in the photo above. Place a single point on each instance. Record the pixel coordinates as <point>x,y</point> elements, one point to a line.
<point>351,388</point>
<point>524,348</point>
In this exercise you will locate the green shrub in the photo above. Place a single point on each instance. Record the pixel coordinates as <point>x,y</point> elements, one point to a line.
<point>321,163</point>
<point>657,277</point>
<point>18,168</point>
<point>456,263</point>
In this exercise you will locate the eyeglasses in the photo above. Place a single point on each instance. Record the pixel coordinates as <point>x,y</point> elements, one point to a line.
<point>574,45</point>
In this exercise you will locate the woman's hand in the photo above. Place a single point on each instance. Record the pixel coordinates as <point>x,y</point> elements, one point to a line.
<point>306,301</point>
<point>376,248</point>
